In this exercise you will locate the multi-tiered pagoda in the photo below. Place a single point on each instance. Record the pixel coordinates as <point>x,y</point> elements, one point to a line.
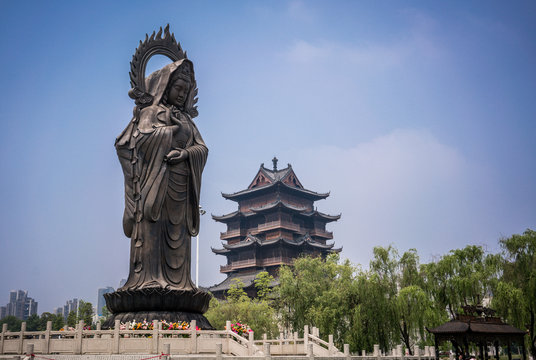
<point>275,223</point>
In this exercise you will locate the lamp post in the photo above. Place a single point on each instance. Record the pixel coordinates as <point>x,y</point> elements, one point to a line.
<point>201,212</point>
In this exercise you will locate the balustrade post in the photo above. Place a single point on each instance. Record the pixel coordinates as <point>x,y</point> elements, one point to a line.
<point>310,353</point>
<point>4,331</point>
<point>377,352</point>
<point>30,351</point>
<point>156,336</point>
<point>167,351</point>
<point>79,336</point>
<point>117,336</point>
<point>46,349</point>
<point>251,344</point>
<point>97,336</point>
<point>295,343</point>
<point>363,353</point>
<point>417,352</point>
<point>330,344</point>
<point>281,343</point>
<point>21,337</point>
<point>305,338</point>
<point>219,351</point>
<point>193,337</point>
<point>346,351</point>
<point>267,355</point>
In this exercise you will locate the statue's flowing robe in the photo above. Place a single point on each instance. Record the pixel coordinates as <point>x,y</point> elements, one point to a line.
<point>161,200</point>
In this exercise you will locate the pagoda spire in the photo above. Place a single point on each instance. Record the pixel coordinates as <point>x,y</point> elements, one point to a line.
<point>274,160</point>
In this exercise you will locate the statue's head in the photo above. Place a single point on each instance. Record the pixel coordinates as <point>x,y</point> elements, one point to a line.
<point>174,84</point>
<point>179,86</point>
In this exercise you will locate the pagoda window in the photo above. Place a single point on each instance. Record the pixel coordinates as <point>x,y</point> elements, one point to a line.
<point>234,225</point>
<point>320,225</point>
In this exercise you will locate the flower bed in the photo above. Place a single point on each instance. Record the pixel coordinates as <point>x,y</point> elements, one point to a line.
<point>240,329</point>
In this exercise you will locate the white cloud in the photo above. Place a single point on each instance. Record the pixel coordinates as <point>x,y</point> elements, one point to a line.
<point>404,188</point>
<point>415,43</point>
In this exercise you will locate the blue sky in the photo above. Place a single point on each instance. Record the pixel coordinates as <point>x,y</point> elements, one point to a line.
<point>418,116</point>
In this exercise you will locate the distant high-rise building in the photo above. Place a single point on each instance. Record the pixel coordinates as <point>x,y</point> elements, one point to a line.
<point>100,300</point>
<point>70,305</point>
<point>20,305</point>
<point>58,311</point>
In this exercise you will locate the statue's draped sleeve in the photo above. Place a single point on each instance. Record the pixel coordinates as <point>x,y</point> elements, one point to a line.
<point>197,157</point>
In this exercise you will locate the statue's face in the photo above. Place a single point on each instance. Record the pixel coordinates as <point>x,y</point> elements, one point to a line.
<point>178,92</point>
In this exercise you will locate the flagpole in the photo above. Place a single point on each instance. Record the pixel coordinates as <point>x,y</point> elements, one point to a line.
<point>201,212</point>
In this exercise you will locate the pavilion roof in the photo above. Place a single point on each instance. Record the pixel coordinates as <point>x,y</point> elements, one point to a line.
<point>476,325</point>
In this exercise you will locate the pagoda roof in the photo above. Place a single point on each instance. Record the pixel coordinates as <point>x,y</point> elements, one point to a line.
<point>278,203</point>
<point>268,179</point>
<point>251,240</point>
<point>321,215</point>
<point>230,216</point>
<point>248,280</point>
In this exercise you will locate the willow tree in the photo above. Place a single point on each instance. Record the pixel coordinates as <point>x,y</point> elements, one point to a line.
<point>462,277</point>
<point>515,294</point>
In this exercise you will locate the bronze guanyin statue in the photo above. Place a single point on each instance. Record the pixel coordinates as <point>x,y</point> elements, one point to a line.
<point>162,156</point>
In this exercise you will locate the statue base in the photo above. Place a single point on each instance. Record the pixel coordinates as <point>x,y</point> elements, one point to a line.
<point>158,304</point>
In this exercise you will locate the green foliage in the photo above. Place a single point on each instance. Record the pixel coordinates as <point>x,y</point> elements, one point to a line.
<point>394,300</point>
<point>319,293</point>
<point>72,319</point>
<point>263,281</point>
<point>33,323</point>
<point>85,312</point>
<point>462,277</point>
<point>257,313</point>
<point>57,322</point>
<point>515,294</point>
<point>13,323</point>
<point>105,314</point>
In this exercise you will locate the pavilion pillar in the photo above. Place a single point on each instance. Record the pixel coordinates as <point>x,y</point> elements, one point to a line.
<point>456,349</point>
<point>523,348</point>
<point>436,343</point>
<point>481,349</point>
<point>509,349</point>
<point>486,352</point>
<point>496,343</point>
<point>465,348</point>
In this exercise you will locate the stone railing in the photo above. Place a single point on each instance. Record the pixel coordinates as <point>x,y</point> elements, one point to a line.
<point>165,343</point>
<point>117,341</point>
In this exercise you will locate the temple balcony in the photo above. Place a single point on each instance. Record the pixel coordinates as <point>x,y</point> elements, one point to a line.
<point>242,264</point>
<point>233,233</point>
<point>278,224</point>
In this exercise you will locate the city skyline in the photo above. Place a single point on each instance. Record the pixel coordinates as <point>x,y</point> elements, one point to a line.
<point>418,118</point>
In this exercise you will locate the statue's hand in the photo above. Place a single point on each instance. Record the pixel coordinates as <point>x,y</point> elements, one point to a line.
<point>176,156</point>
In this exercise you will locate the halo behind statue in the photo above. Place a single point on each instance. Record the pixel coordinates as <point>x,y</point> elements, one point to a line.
<point>152,45</point>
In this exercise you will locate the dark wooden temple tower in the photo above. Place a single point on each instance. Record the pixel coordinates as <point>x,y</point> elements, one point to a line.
<point>276,222</point>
